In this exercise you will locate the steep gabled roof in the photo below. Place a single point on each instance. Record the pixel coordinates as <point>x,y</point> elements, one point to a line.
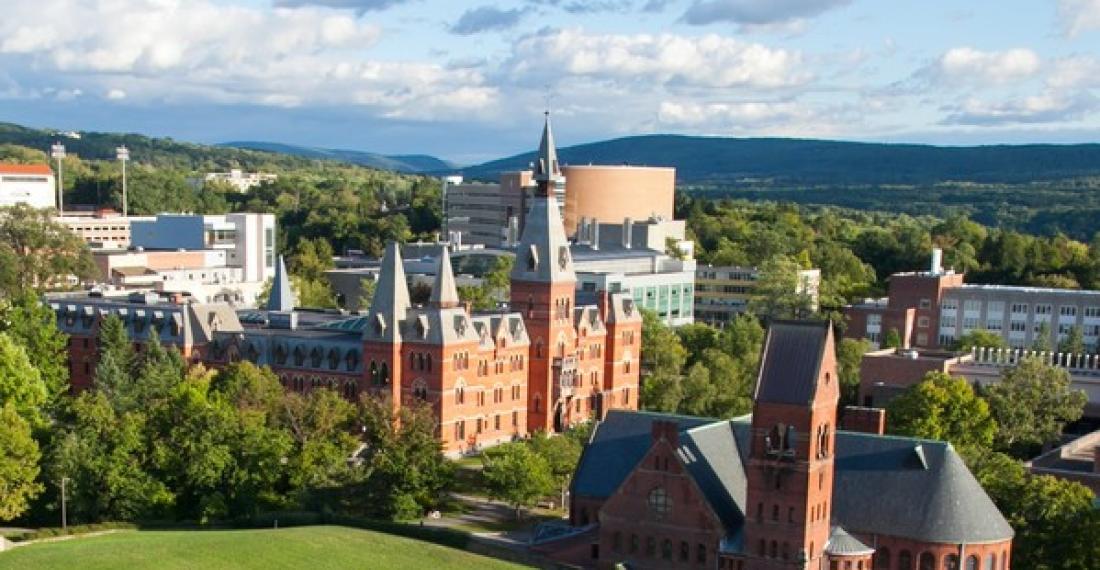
<point>444,291</point>
<point>391,303</point>
<point>791,362</point>
<point>282,294</point>
<point>546,161</point>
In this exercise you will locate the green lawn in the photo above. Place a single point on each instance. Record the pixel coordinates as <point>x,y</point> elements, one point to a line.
<point>317,547</point>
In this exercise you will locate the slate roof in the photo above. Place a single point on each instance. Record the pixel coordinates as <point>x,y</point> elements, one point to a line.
<point>791,362</point>
<point>281,297</point>
<point>843,544</point>
<point>444,291</point>
<point>391,298</point>
<point>881,484</point>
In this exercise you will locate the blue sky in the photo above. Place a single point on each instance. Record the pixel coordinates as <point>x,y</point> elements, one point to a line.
<point>468,80</point>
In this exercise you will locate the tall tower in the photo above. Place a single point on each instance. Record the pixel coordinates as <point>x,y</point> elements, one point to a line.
<point>544,291</point>
<point>382,334</point>
<point>790,468</point>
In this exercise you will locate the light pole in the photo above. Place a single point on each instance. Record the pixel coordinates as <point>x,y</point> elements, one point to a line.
<point>123,154</point>
<point>64,505</point>
<point>57,151</point>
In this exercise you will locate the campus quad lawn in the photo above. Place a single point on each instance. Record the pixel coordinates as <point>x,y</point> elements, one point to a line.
<point>317,547</point>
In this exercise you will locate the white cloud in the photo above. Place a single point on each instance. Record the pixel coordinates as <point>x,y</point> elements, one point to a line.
<point>1079,16</point>
<point>176,50</point>
<point>1048,107</point>
<point>703,61</point>
<point>1075,72</point>
<point>965,64</point>
<point>116,94</point>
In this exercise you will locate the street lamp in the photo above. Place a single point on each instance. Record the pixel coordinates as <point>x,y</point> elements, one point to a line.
<point>57,151</point>
<point>123,154</point>
<point>64,505</point>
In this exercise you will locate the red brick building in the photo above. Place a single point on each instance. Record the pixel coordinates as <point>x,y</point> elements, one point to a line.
<point>543,364</point>
<point>783,488</point>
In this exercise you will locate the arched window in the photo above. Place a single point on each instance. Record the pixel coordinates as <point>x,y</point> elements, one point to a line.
<point>882,558</point>
<point>650,546</point>
<point>666,549</point>
<point>701,553</point>
<point>927,561</point>
<point>951,562</point>
<point>384,373</point>
<point>373,373</point>
<point>991,561</point>
<point>633,543</point>
<point>428,360</point>
<point>460,392</point>
<point>972,562</point>
<point>538,403</point>
<point>905,560</point>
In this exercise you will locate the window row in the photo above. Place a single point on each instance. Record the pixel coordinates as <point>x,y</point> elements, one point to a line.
<point>682,554</point>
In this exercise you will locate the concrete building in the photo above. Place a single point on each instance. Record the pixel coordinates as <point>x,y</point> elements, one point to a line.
<point>888,372</point>
<point>30,184</point>
<point>247,239</point>
<point>724,292</point>
<point>1078,460</point>
<point>546,363</point>
<point>493,215</point>
<point>652,260</point>
<point>608,194</point>
<point>242,181</point>
<point>932,309</point>
<point>103,229</point>
<point>783,488</point>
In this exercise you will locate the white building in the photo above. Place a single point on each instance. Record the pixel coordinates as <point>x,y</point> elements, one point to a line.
<point>242,181</point>
<point>31,184</point>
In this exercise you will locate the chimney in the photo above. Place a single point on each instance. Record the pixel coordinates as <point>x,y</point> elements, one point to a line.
<point>864,420</point>
<point>667,430</point>
<point>595,234</point>
<point>628,230</point>
<point>937,261</point>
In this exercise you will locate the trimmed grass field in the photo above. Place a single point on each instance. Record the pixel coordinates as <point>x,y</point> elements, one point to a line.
<point>317,547</point>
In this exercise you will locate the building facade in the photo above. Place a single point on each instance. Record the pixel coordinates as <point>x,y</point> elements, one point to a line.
<point>724,292</point>
<point>934,308</point>
<point>545,363</point>
<point>30,184</point>
<point>784,488</point>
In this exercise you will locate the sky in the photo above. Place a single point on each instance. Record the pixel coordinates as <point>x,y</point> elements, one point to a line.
<point>469,81</point>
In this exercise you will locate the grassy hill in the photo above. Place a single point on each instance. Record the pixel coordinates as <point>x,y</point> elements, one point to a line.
<point>779,162</point>
<point>316,548</point>
<point>410,163</point>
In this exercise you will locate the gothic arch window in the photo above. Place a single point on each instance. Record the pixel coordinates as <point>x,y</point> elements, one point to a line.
<point>927,561</point>
<point>460,392</point>
<point>384,374</point>
<point>972,562</point>
<point>951,562</point>
<point>428,361</point>
<point>538,403</point>
<point>420,389</point>
<point>420,361</point>
<point>373,373</point>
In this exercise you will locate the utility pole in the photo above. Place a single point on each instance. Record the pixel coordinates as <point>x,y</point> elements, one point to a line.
<point>123,154</point>
<point>57,151</point>
<point>64,505</point>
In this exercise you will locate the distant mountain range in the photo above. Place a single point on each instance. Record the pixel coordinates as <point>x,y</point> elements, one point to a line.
<point>409,163</point>
<point>778,161</point>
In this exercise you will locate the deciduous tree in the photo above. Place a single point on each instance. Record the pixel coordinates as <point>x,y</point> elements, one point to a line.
<point>1031,403</point>
<point>945,408</point>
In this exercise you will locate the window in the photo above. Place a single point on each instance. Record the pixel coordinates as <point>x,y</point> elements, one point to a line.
<point>925,303</point>
<point>1042,309</point>
<point>659,502</point>
<point>1019,308</point>
<point>1092,312</point>
<point>949,304</point>
<point>991,561</point>
<point>927,561</point>
<point>995,308</point>
<point>633,543</point>
<point>951,562</point>
<point>617,541</point>
<point>882,558</point>
<point>922,322</point>
<point>993,324</point>
<point>1018,326</point>
<point>1067,311</point>
<point>905,560</point>
<point>970,323</point>
<point>650,546</point>
<point>972,562</point>
<point>701,553</point>
<point>972,305</point>
<point>685,551</point>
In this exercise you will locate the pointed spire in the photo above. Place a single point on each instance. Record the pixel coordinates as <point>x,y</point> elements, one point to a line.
<point>547,171</point>
<point>391,296</point>
<point>444,292</point>
<point>282,295</point>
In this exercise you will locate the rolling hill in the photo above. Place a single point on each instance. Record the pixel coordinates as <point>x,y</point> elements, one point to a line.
<point>410,163</point>
<point>782,162</point>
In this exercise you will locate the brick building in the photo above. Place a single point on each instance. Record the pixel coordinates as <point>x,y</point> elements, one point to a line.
<point>783,488</point>
<point>544,364</point>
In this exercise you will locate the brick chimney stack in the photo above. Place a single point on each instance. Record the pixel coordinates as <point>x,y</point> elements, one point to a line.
<point>865,420</point>
<point>666,430</point>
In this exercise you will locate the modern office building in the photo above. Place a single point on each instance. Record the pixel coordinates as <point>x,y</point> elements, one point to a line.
<point>30,184</point>
<point>247,239</point>
<point>103,229</point>
<point>931,309</point>
<point>781,489</point>
<point>493,214</point>
<point>724,292</point>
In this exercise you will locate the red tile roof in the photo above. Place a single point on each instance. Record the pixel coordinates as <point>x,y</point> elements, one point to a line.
<point>25,169</point>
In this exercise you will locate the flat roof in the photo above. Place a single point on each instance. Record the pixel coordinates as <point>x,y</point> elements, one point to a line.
<point>1025,289</point>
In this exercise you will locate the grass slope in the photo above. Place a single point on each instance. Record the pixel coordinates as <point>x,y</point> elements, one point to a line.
<point>318,547</point>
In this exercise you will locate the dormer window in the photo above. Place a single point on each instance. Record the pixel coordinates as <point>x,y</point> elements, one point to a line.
<point>532,258</point>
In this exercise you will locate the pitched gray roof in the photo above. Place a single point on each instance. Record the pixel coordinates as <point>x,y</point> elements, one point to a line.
<point>543,253</point>
<point>444,292</point>
<point>391,298</point>
<point>843,544</point>
<point>546,161</point>
<point>282,295</point>
<point>880,485</point>
<point>791,362</point>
